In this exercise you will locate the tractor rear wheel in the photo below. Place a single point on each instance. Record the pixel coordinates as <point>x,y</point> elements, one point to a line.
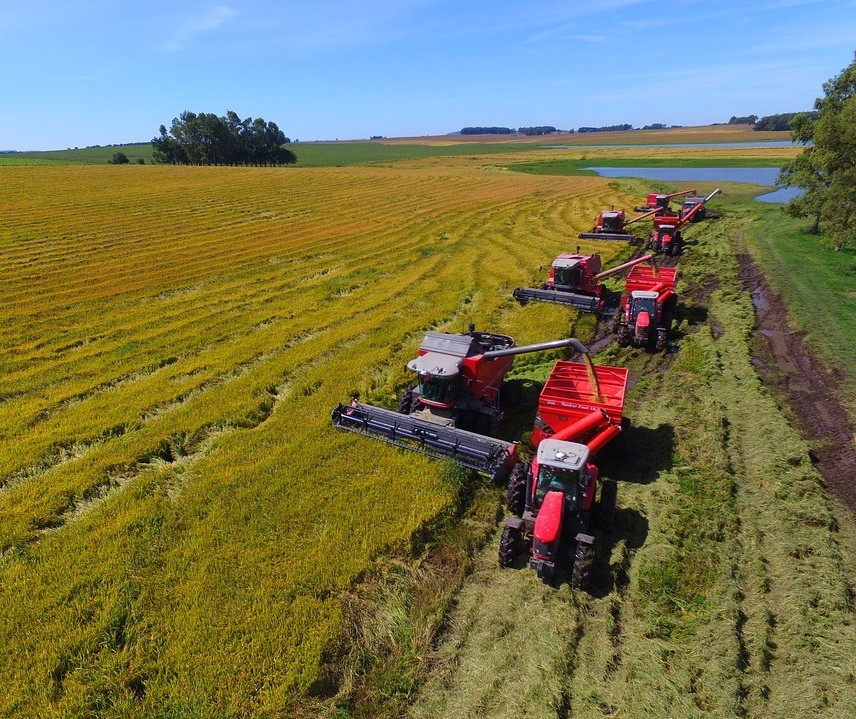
<point>509,546</point>
<point>606,505</point>
<point>583,558</point>
<point>516,494</point>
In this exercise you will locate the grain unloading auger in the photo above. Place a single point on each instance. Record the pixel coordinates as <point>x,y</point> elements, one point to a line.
<point>460,389</point>
<point>553,499</point>
<point>575,281</point>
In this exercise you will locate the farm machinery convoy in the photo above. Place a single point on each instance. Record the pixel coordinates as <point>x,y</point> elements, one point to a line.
<point>558,499</point>
<point>580,410</point>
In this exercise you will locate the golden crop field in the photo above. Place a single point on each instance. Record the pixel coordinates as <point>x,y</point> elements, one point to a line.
<point>178,518</point>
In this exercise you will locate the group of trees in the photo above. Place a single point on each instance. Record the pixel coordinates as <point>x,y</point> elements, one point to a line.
<point>606,128</point>
<point>781,121</point>
<point>826,168</point>
<point>206,139</point>
<point>538,130</point>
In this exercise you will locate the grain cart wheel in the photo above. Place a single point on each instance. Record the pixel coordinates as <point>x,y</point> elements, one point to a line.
<point>606,505</point>
<point>407,403</point>
<point>516,494</point>
<point>583,558</point>
<point>509,545</point>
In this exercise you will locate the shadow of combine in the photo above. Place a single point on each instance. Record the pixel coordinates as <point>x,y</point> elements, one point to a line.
<point>639,454</point>
<point>517,420</point>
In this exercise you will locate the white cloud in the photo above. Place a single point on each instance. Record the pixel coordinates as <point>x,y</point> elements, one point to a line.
<point>196,26</point>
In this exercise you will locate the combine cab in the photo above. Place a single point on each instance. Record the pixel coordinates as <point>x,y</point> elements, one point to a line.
<point>456,403</point>
<point>575,281</point>
<point>555,501</point>
<point>647,306</point>
<point>660,202</point>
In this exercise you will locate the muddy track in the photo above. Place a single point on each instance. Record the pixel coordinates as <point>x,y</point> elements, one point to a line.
<point>790,368</point>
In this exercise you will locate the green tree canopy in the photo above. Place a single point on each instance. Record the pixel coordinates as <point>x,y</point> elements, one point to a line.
<point>206,139</point>
<point>826,168</point>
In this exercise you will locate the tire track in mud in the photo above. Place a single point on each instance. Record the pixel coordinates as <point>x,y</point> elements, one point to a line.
<point>789,367</point>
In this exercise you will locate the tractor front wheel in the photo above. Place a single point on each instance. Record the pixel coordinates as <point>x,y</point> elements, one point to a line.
<point>624,335</point>
<point>509,546</point>
<point>516,494</point>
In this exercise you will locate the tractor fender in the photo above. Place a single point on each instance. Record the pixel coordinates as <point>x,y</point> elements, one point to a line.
<point>515,523</point>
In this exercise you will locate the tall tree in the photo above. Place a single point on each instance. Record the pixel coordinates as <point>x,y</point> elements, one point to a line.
<point>826,168</point>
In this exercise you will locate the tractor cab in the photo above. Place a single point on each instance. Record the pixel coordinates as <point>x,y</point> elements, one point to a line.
<point>661,202</point>
<point>643,301</point>
<point>561,468</point>
<point>566,273</point>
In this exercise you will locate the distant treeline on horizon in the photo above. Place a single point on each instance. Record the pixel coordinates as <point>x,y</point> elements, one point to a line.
<point>768,122</point>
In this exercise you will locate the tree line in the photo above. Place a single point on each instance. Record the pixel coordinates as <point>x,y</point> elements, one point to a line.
<point>826,168</point>
<point>206,139</point>
<point>782,121</point>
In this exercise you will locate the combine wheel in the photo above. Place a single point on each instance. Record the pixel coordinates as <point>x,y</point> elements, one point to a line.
<point>509,546</point>
<point>407,402</point>
<point>511,393</point>
<point>606,506</point>
<point>516,494</point>
<point>583,559</point>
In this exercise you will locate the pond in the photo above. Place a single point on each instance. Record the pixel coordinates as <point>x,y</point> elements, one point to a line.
<point>751,175</point>
<point>678,145</point>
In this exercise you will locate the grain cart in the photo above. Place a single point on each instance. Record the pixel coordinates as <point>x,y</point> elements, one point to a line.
<point>612,225</point>
<point>575,281</point>
<point>688,209</point>
<point>647,306</point>
<point>659,202</point>
<point>667,237</point>
<point>460,389</point>
<point>552,499</point>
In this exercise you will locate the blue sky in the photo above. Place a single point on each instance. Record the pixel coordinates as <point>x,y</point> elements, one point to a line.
<point>83,72</point>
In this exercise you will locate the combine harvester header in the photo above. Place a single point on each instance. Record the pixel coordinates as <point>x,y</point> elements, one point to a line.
<point>460,383</point>
<point>575,281</point>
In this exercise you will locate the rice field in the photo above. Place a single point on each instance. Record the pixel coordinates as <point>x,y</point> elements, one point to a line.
<point>178,519</point>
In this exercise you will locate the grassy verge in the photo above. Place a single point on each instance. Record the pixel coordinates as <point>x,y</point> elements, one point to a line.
<point>819,286</point>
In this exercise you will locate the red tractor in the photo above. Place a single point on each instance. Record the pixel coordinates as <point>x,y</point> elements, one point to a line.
<point>612,225</point>
<point>667,237</point>
<point>457,402</point>
<point>554,500</point>
<point>575,281</point>
<point>647,306</point>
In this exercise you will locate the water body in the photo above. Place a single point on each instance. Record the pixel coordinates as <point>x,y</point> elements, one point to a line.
<point>750,175</point>
<point>760,143</point>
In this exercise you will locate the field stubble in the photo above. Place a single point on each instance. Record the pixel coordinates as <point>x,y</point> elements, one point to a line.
<point>178,520</point>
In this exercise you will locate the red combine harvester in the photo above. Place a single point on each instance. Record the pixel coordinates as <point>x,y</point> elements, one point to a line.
<point>644,317</point>
<point>667,237</point>
<point>575,281</point>
<point>659,202</point>
<point>612,225</point>
<point>553,498</point>
<point>460,389</point>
